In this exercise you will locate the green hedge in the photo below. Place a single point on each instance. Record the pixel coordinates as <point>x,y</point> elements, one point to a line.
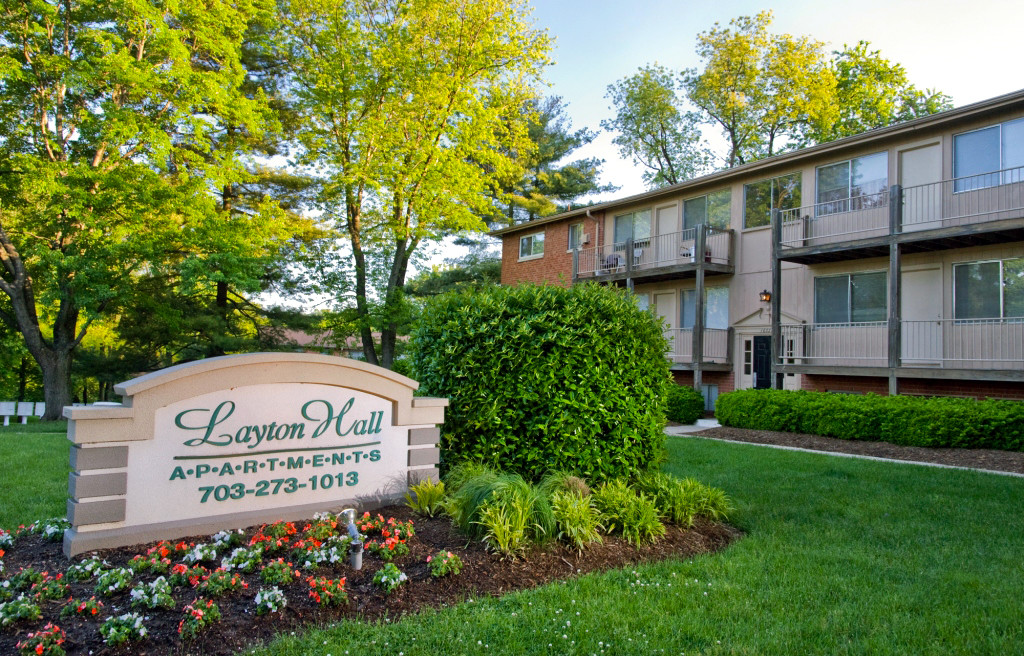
<point>684,404</point>
<point>908,420</point>
<point>543,378</point>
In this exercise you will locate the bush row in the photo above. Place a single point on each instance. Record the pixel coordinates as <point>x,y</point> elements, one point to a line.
<point>907,420</point>
<point>685,404</point>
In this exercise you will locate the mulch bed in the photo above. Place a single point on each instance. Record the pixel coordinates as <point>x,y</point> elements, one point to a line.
<point>484,573</point>
<point>991,459</point>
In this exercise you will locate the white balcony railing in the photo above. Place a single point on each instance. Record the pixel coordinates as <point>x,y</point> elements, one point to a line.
<point>947,203</point>
<point>941,343</point>
<point>650,253</point>
<point>716,345</point>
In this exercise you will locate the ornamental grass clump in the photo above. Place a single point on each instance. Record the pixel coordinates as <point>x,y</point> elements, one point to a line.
<point>577,519</point>
<point>682,500</point>
<point>623,511</point>
<point>545,377</point>
<point>426,497</point>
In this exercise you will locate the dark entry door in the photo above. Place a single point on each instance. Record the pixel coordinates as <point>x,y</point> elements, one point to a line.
<point>762,362</point>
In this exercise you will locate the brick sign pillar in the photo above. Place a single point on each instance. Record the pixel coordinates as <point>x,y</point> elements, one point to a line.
<point>245,439</point>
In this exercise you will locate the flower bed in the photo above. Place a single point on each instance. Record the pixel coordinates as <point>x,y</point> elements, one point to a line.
<point>239,624</point>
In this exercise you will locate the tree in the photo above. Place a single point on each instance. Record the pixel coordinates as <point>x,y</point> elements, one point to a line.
<point>761,89</point>
<point>409,112</point>
<point>548,186</point>
<point>872,92</point>
<point>106,110</point>
<point>652,128</point>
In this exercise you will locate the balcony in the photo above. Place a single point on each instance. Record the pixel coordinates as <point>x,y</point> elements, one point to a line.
<point>943,348</point>
<point>716,356</point>
<point>956,213</point>
<point>662,257</point>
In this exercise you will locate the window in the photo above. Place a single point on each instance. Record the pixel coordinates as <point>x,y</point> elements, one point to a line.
<point>635,226</point>
<point>748,356</point>
<point>978,156</point>
<point>856,184</point>
<point>713,209</point>
<point>851,298</point>
<point>989,290</point>
<point>643,301</point>
<point>716,308</point>
<point>760,198</point>
<point>531,246</point>
<point>575,236</point>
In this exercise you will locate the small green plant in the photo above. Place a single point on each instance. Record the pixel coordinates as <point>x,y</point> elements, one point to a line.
<point>6,539</point>
<point>86,569</point>
<point>243,559</point>
<point>201,553</point>
<point>389,577</point>
<point>49,587</point>
<point>505,525</point>
<point>26,578</point>
<point>577,518</point>
<point>564,481</point>
<point>51,529</point>
<point>112,581</point>
<point>227,539</point>
<point>426,497</point>
<point>88,608</point>
<point>444,563</point>
<point>328,592</point>
<point>278,572</point>
<point>123,629</point>
<point>185,575</point>
<point>45,642</point>
<point>200,614</point>
<point>270,600</point>
<point>322,527</point>
<point>21,609</point>
<point>388,549</point>
<point>509,491</point>
<point>153,595</point>
<point>219,582</point>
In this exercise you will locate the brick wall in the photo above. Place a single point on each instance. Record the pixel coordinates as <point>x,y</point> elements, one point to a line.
<point>979,389</point>
<point>556,265</point>
<point>724,379</point>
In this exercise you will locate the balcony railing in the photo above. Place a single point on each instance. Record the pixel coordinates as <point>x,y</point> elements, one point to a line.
<point>940,343</point>
<point>716,345</point>
<point>947,203</point>
<point>646,255</point>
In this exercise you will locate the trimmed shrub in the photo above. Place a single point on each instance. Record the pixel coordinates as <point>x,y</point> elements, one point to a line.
<point>543,378</point>
<point>684,404</point>
<point>906,420</point>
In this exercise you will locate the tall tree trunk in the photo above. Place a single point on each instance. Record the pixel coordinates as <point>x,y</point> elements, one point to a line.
<point>56,367</point>
<point>22,378</point>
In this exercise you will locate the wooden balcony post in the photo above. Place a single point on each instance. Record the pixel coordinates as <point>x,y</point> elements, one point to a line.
<point>698,314</point>
<point>895,344</point>
<point>895,209</point>
<point>776,301</point>
<point>629,264</point>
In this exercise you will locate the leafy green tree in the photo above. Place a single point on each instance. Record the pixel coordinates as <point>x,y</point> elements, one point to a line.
<point>475,269</point>
<point>550,185</point>
<point>106,114</point>
<point>761,89</point>
<point>872,92</point>
<point>652,128</point>
<point>408,112</point>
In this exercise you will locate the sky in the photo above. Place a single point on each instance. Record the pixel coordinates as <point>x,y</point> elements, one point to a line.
<point>969,50</point>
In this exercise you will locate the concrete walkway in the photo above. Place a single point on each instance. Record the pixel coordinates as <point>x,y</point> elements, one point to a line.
<point>704,424</point>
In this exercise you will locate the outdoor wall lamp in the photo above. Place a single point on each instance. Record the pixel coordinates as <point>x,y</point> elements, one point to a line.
<point>766,296</point>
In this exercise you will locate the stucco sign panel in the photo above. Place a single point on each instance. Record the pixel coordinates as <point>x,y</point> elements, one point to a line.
<point>203,450</point>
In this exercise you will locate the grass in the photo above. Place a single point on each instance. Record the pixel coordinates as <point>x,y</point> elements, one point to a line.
<point>34,472</point>
<point>842,556</point>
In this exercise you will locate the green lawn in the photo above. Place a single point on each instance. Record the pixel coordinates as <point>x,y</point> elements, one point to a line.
<point>842,556</point>
<point>33,472</point>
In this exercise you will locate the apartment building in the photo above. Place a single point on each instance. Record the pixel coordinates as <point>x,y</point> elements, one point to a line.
<point>889,262</point>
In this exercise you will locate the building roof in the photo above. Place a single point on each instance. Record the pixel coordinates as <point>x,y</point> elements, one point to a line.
<point>964,113</point>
